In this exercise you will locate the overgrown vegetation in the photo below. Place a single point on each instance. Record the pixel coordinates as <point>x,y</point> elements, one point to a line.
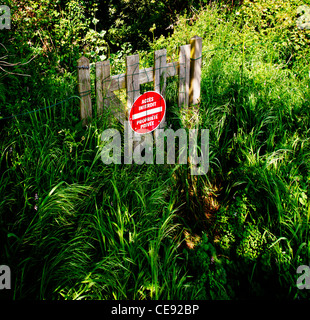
<point>74,228</point>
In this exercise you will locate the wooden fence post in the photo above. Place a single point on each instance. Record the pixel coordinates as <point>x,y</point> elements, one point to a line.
<point>160,76</point>
<point>84,89</point>
<point>132,89</point>
<point>104,96</point>
<point>99,86</point>
<point>106,78</point>
<point>195,74</point>
<point>160,65</point>
<point>132,80</point>
<point>184,75</point>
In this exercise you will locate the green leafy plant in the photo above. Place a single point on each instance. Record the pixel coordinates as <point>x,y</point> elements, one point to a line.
<point>212,281</point>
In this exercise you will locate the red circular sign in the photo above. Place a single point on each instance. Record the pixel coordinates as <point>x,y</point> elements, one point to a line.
<point>147,112</point>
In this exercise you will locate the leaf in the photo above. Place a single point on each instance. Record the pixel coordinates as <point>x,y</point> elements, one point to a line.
<point>303,22</point>
<point>303,199</point>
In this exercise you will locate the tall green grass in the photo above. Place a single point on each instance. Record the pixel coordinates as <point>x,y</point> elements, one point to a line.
<point>74,228</point>
<point>254,201</point>
<point>259,119</point>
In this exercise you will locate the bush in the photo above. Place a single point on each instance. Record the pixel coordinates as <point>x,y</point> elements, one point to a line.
<point>212,282</point>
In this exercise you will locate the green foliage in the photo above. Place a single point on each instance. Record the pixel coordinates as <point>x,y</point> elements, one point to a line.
<point>211,276</point>
<point>57,31</point>
<point>303,19</point>
<point>255,103</point>
<point>279,20</point>
<point>138,22</point>
<point>44,43</point>
<point>88,231</point>
<point>251,244</point>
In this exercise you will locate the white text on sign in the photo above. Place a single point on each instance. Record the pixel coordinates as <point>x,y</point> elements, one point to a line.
<point>154,117</point>
<point>149,105</point>
<point>147,100</point>
<point>146,113</point>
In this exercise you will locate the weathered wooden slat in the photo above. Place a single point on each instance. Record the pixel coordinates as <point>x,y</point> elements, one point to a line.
<point>84,89</point>
<point>184,74</point>
<point>172,69</point>
<point>146,75</point>
<point>132,89</point>
<point>99,86</point>
<point>118,82</point>
<point>106,79</point>
<point>160,78</point>
<point>160,64</point>
<point>132,79</point>
<point>195,74</point>
<point>105,97</point>
<point>117,107</point>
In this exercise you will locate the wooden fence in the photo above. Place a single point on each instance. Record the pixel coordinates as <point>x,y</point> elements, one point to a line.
<point>188,68</point>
